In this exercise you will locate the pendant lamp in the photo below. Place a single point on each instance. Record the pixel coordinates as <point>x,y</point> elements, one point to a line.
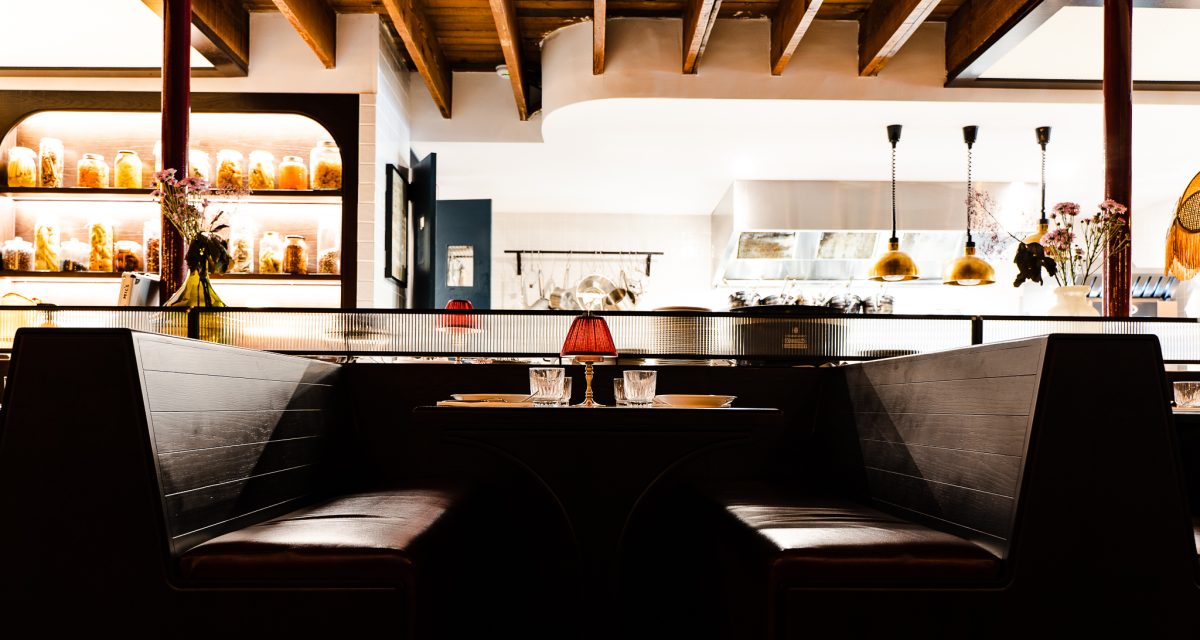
<point>1043,138</point>
<point>895,265</point>
<point>969,270</point>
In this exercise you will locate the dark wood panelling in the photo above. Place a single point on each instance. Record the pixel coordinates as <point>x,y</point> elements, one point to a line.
<point>955,506</point>
<point>1003,435</point>
<point>982,396</point>
<point>1003,360</point>
<point>195,469</point>
<point>189,430</point>
<point>208,359</point>
<point>968,469</point>
<point>195,392</point>
<point>224,504</point>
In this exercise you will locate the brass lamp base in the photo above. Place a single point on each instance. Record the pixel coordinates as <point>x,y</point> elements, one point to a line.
<point>588,400</point>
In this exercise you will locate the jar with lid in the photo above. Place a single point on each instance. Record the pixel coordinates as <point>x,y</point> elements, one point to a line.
<point>128,256</point>
<point>18,255</point>
<point>22,167</point>
<point>270,253</point>
<point>326,163</point>
<point>329,235</point>
<point>50,162</point>
<point>295,256</point>
<point>100,237</point>
<point>91,172</point>
<point>74,255</point>
<point>152,243</point>
<point>199,165</point>
<point>157,156</point>
<point>229,170</point>
<point>46,244</point>
<point>128,170</point>
<point>241,245</point>
<point>292,173</point>
<point>262,170</point>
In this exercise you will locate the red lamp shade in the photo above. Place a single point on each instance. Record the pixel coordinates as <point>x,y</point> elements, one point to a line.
<point>458,322</point>
<point>589,337</point>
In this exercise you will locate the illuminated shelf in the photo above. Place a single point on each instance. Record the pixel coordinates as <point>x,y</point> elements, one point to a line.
<point>312,278</point>
<point>143,195</point>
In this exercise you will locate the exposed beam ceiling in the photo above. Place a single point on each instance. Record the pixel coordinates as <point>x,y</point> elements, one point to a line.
<point>977,25</point>
<point>599,22</point>
<point>792,19</point>
<point>316,23</point>
<point>698,19</point>
<point>220,32</point>
<point>886,26</point>
<point>422,46</point>
<point>504,12</point>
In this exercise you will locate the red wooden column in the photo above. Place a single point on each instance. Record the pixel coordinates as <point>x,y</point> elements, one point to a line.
<point>176,113</point>
<point>1118,143</point>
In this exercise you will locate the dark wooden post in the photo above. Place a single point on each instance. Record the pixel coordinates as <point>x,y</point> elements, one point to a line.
<point>176,113</point>
<point>1118,144</point>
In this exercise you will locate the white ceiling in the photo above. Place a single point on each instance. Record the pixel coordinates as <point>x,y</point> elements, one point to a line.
<point>1070,46</point>
<point>82,33</point>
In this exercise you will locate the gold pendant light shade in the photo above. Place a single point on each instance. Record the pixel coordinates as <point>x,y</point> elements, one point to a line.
<point>893,266</point>
<point>1036,236</point>
<point>969,270</point>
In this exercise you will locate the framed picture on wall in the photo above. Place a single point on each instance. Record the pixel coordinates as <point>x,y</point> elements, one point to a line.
<point>395,240</point>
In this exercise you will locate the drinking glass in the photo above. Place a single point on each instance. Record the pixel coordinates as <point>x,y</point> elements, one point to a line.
<point>546,385</point>
<point>619,392</point>
<point>566,396</point>
<point>639,387</point>
<point>1187,394</point>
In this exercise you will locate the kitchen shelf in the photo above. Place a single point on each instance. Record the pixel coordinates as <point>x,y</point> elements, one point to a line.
<point>138,195</point>
<point>102,275</point>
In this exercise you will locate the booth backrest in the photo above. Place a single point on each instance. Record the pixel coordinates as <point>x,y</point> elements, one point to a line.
<point>943,436</point>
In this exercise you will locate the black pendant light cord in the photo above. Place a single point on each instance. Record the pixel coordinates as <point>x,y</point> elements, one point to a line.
<point>970,196</point>
<point>894,238</point>
<point>1043,138</point>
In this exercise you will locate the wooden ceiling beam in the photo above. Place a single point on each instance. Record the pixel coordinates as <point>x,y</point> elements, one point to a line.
<point>885,27</point>
<point>978,25</point>
<point>698,19</point>
<point>791,20</point>
<point>504,12</point>
<point>599,23</point>
<point>220,32</point>
<point>316,22</point>
<point>419,40</point>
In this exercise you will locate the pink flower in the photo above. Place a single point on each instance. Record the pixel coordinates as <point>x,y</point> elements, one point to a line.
<point>1067,209</point>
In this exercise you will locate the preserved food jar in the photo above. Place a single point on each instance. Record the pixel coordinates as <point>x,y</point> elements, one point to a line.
<point>127,169</point>
<point>152,243</point>
<point>128,256</point>
<point>18,255</point>
<point>292,173</point>
<point>295,256</point>
<point>74,255</point>
<point>229,170</point>
<point>326,163</point>
<point>22,167</point>
<point>241,245</point>
<point>270,253</point>
<point>92,172</point>
<point>100,256</point>
<point>46,244</point>
<point>262,170</point>
<point>50,163</point>
<point>329,233</point>
<point>157,157</point>
<point>198,165</point>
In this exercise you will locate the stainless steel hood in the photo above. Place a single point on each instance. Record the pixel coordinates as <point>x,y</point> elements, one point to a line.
<point>831,230</point>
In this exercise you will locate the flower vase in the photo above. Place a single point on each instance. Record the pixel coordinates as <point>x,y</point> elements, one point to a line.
<point>1072,301</point>
<point>197,291</point>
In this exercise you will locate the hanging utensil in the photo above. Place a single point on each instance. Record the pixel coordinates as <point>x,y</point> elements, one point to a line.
<point>542,302</point>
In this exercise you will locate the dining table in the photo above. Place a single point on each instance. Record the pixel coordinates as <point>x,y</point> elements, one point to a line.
<point>598,465</point>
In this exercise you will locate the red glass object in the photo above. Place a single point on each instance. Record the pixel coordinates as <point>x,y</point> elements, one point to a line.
<point>455,322</point>
<point>589,336</point>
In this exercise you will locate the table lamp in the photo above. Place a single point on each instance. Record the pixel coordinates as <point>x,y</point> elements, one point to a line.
<point>458,322</point>
<point>588,341</point>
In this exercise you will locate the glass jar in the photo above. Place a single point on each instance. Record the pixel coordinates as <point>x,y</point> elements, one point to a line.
<point>127,170</point>
<point>91,172</point>
<point>198,165</point>
<point>262,170</point>
<point>241,246</point>
<point>100,239</point>
<point>128,256</point>
<point>46,244</point>
<point>295,256</point>
<point>50,161</point>
<point>152,243</point>
<point>270,253</point>
<point>22,167</point>
<point>292,173</point>
<point>229,170</point>
<point>329,235</point>
<point>157,157</point>
<point>18,255</point>
<point>74,255</point>
<point>326,163</point>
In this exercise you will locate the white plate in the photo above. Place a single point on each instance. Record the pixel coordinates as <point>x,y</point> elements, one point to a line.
<point>491,397</point>
<point>695,401</point>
